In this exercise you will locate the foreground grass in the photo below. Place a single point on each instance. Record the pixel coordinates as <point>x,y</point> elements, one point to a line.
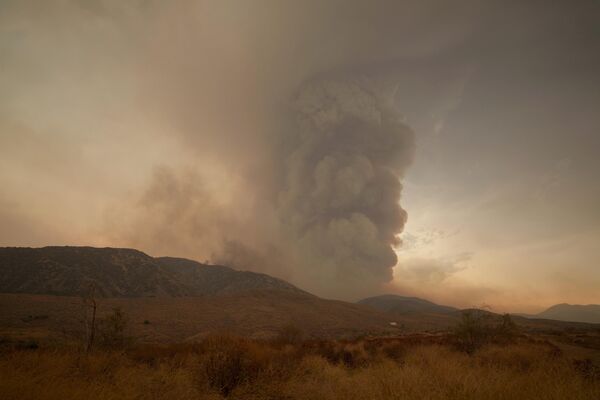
<point>226,367</point>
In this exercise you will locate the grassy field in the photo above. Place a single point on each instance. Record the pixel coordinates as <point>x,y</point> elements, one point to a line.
<point>412,367</point>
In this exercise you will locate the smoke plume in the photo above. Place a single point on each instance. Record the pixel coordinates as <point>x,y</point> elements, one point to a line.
<point>340,198</point>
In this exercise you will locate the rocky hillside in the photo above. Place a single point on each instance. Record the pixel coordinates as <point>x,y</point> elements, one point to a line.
<point>70,271</point>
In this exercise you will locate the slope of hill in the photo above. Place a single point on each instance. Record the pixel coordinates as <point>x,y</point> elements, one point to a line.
<point>405,305</point>
<point>69,271</point>
<point>572,312</point>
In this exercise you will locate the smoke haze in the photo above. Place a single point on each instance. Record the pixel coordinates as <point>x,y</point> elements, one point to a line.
<point>287,137</point>
<point>307,139</point>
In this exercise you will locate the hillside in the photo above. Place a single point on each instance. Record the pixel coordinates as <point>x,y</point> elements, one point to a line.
<point>69,271</point>
<point>572,312</point>
<point>405,305</point>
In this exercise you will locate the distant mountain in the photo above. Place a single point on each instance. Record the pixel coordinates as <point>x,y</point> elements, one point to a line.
<point>394,304</point>
<point>69,271</point>
<point>572,312</point>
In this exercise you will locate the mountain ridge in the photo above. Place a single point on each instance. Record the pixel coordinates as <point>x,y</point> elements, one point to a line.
<point>121,272</point>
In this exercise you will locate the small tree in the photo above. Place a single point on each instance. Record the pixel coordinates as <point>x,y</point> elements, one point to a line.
<point>478,328</point>
<point>507,329</point>
<point>113,329</point>
<point>90,307</point>
<point>472,331</point>
<point>228,362</point>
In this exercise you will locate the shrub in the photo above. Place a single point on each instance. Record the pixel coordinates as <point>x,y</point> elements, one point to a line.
<point>228,363</point>
<point>112,330</point>
<point>27,345</point>
<point>349,354</point>
<point>473,331</point>
<point>478,328</point>
<point>394,351</point>
<point>289,335</point>
<point>507,330</point>
<point>587,369</point>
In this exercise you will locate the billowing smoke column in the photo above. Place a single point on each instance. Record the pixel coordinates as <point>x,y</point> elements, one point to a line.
<point>340,203</point>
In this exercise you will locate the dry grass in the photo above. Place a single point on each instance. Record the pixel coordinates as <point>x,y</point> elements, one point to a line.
<point>236,368</point>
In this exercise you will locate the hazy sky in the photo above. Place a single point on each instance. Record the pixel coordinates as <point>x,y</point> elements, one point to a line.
<point>235,131</point>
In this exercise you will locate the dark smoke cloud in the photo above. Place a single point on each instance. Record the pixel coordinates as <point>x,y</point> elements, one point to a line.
<point>341,193</point>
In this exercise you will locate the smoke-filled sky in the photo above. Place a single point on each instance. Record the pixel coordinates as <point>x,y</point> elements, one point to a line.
<point>443,149</point>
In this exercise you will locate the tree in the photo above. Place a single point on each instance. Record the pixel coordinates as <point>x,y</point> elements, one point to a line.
<point>478,327</point>
<point>90,304</point>
<point>113,329</point>
<point>507,329</point>
<point>472,331</point>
